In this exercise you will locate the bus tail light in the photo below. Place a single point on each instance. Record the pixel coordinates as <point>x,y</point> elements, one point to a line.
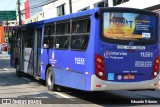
<point>99,67</point>
<point>155,70</point>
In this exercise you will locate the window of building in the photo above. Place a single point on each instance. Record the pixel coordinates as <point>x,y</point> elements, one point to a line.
<point>48,41</point>
<point>80,34</point>
<point>61,10</point>
<point>101,4</point>
<point>62,35</point>
<point>117,2</point>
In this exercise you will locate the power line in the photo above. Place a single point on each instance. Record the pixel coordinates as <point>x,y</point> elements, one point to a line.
<point>34,11</point>
<point>42,4</point>
<point>48,3</point>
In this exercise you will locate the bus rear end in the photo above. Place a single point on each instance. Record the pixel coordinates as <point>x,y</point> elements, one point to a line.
<point>127,50</point>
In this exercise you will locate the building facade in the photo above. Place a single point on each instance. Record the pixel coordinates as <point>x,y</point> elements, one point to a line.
<point>44,9</point>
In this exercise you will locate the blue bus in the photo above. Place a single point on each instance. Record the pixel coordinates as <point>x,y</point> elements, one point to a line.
<point>93,50</point>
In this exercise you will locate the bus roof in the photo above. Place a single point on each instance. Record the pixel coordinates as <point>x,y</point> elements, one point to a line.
<point>73,15</point>
<point>29,24</point>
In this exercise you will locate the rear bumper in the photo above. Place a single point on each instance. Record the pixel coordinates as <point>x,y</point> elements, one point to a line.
<point>107,85</point>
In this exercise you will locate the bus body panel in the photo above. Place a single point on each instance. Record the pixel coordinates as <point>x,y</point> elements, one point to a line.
<point>72,68</point>
<point>70,79</point>
<point>91,50</point>
<point>109,85</point>
<point>44,62</point>
<point>119,63</point>
<point>126,67</point>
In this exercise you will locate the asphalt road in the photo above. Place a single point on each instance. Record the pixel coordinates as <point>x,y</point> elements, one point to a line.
<point>12,86</point>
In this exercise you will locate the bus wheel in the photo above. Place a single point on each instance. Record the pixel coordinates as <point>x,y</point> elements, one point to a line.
<point>50,80</point>
<point>18,72</point>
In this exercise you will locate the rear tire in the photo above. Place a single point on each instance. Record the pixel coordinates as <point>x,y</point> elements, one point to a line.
<point>18,72</point>
<point>50,79</point>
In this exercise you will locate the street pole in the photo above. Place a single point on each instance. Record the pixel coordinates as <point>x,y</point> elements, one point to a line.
<point>19,12</point>
<point>70,6</point>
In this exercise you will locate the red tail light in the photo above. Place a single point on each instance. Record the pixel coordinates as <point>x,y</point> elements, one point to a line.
<point>99,67</point>
<point>155,70</point>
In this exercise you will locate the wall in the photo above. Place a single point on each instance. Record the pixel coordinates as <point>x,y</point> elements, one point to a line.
<point>50,10</point>
<point>140,4</point>
<point>1,34</point>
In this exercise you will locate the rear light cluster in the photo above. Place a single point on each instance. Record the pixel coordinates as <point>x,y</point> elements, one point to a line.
<point>99,67</point>
<point>155,70</point>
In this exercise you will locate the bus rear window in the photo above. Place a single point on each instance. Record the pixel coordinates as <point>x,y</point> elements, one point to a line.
<point>119,26</point>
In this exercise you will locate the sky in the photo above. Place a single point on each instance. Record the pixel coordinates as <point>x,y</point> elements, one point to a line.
<point>8,4</point>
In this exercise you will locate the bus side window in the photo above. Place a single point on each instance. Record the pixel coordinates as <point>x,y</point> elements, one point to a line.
<point>48,41</point>
<point>85,42</point>
<point>62,42</point>
<point>62,35</point>
<point>62,28</point>
<point>80,34</point>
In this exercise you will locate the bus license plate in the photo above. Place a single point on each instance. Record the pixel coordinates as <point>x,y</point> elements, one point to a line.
<point>129,77</point>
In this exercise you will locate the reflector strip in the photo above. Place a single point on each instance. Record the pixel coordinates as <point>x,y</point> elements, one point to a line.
<point>155,84</point>
<point>98,85</point>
